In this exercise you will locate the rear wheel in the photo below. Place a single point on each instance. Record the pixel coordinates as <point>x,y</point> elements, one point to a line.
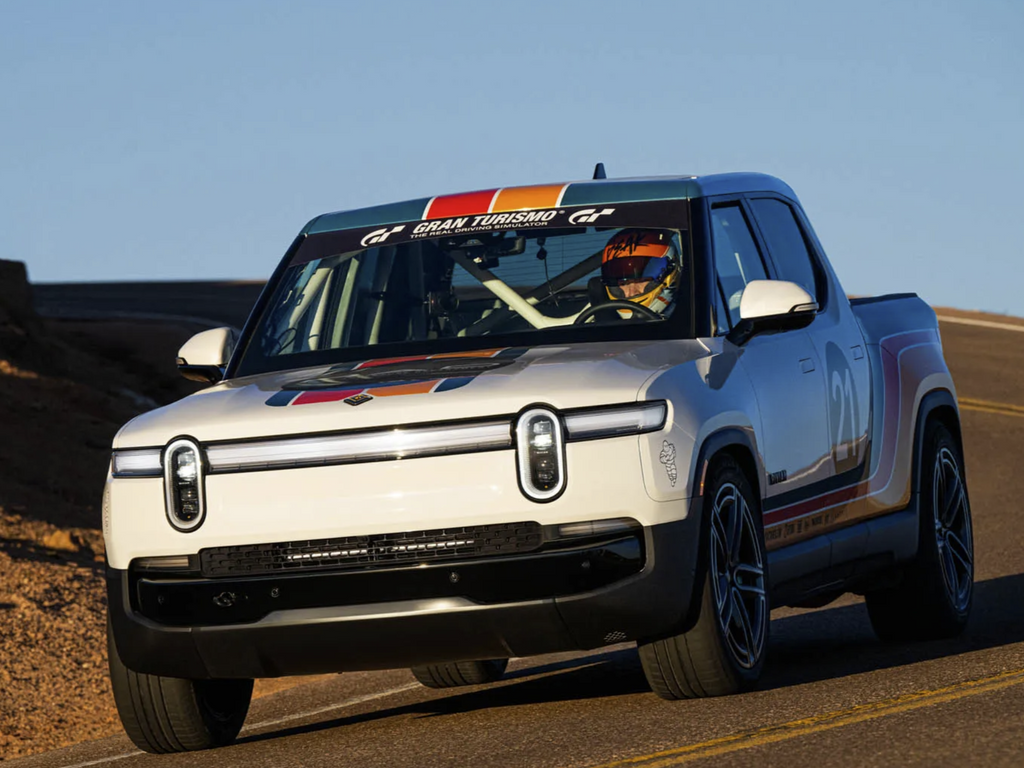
<point>724,651</point>
<point>934,598</point>
<point>456,673</point>
<point>170,714</point>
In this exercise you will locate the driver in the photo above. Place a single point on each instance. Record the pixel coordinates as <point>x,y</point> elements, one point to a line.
<point>642,266</point>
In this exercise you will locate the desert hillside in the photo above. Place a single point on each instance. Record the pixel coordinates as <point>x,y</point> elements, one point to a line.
<point>65,389</point>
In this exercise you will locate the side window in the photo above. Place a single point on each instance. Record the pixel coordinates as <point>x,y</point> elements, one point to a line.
<point>721,313</point>
<point>786,243</point>
<point>736,256</point>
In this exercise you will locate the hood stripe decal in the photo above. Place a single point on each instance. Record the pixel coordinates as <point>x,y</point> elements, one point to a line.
<point>410,386</point>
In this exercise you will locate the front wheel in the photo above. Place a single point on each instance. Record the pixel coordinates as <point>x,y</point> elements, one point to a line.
<point>934,598</point>
<point>170,714</point>
<point>724,651</point>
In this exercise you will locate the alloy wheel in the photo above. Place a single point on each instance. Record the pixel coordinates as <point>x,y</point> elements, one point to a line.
<point>953,529</point>
<point>737,573</point>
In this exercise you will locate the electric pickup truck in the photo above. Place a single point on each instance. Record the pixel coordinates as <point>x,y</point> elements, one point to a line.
<point>524,420</point>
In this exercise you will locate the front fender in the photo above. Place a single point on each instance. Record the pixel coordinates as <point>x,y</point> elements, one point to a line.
<point>707,397</point>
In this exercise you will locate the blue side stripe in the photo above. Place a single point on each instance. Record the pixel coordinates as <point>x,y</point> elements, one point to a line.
<point>282,398</point>
<point>449,384</point>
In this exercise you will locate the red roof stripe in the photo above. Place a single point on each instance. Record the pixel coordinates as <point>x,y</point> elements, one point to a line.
<point>465,204</point>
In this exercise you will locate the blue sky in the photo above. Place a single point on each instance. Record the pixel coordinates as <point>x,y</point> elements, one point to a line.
<point>192,140</point>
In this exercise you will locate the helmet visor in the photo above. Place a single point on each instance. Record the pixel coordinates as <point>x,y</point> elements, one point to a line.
<point>631,269</point>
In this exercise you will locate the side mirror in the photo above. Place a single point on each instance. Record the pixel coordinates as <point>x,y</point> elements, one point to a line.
<point>205,355</point>
<point>772,305</point>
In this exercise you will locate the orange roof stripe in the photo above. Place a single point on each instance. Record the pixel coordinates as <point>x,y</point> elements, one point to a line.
<point>522,198</point>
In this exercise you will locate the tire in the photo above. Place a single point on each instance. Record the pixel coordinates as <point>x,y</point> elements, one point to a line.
<point>933,600</point>
<point>456,673</point>
<point>169,714</point>
<point>723,653</point>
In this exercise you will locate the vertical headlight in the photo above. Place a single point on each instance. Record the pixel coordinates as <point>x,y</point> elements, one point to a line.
<point>183,484</point>
<point>540,454</point>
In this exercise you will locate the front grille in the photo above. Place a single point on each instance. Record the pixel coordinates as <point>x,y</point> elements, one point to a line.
<point>373,551</point>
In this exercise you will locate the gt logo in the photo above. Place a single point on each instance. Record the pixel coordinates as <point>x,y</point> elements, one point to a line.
<point>589,215</point>
<point>380,235</point>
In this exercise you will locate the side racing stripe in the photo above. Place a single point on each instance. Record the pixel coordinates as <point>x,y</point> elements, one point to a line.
<point>893,349</point>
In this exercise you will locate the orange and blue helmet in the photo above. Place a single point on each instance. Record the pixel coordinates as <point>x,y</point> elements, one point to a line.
<point>638,265</point>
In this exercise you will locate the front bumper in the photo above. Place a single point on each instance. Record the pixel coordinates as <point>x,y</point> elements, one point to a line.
<point>623,588</point>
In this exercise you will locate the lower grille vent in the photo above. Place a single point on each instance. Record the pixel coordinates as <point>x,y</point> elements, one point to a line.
<point>373,551</point>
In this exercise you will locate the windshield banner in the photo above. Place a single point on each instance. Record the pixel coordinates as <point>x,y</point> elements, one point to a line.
<point>667,214</point>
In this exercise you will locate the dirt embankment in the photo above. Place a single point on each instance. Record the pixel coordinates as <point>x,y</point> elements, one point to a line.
<point>65,389</point>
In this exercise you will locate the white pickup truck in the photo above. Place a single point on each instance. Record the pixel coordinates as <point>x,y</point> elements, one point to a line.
<point>516,421</point>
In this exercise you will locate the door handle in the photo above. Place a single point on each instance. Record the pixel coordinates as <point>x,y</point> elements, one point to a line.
<point>807,365</point>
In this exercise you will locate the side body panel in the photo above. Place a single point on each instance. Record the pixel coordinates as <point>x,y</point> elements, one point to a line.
<point>880,358</point>
<point>909,366</point>
<point>882,367</point>
<point>786,372</point>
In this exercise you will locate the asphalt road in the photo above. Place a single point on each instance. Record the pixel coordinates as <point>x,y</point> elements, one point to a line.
<point>832,694</point>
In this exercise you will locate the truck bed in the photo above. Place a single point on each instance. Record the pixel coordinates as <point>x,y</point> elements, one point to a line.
<point>882,316</point>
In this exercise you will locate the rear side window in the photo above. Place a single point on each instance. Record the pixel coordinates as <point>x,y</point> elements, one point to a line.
<point>786,243</point>
<point>736,256</point>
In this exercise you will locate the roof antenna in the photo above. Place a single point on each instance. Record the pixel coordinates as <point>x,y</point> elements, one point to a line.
<point>599,171</point>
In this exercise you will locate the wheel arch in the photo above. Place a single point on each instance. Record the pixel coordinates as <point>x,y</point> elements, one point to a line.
<point>735,442</point>
<point>940,405</point>
<point>739,444</point>
<point>911,608</point>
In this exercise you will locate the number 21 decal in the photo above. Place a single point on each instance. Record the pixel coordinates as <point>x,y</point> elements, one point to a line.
<point>843,409</point>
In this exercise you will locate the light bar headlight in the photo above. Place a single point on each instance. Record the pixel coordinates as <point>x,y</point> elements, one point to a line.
<point>137,462</point>
<point>540,454</point>
<point>633,419</point>
<point>540,437</point>
<point>369,446</point>
<point>183,484</point>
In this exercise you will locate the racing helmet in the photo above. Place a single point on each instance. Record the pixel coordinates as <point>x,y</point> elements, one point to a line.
<point>642,266</point>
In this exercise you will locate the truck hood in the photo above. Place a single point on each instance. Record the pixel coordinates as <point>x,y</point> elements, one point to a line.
<point>402,391</point>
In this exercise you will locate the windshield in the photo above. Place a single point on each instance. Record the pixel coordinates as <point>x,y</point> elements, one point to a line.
<point>451,285</point>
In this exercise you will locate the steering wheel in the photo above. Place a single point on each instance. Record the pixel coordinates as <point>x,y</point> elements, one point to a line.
<point>639,311</point>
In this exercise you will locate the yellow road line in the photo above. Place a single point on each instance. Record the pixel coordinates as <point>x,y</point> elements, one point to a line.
<point>819,723</point>
<point>988,406</point>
